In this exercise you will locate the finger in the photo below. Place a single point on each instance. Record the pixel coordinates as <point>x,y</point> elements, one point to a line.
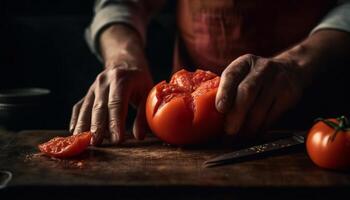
<point>118,108</point>
<point>230,79</point>
<point>288,96</point>
<point>75,114</point>
<point>273,114</point>
<point>260,110</point>
<point>247,92</point>
<point>140,126</point>
<point>84,118</point>
<point>99,114</point>
<point>279,106</point>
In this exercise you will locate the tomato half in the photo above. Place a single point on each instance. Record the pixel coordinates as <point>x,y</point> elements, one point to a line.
<point>64,147</point>
<point>183,112</point>
<point>328,144</point>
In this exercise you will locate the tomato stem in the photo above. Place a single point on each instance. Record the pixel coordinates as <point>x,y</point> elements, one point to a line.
<point>342,125</point>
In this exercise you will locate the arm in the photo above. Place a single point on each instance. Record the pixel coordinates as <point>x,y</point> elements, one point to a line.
<point>135,14</point>
<point>117,36</point>
<point>255,91</point>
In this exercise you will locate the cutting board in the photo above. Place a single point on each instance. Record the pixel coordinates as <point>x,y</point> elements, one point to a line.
<point>153,164</point>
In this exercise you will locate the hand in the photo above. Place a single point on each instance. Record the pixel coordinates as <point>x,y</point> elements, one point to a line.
<point>125,80</point>
<point>255,91</point>
<point>104,109</point>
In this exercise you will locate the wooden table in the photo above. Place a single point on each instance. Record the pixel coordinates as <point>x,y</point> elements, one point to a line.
<point>151,169</point>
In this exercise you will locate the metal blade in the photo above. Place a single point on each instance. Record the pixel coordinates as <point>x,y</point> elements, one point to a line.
<point>255,150</point>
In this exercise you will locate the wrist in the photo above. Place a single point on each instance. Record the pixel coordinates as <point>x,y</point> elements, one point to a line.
<point>318,52</point>
<point>120,41</point>
<point>302,63</point>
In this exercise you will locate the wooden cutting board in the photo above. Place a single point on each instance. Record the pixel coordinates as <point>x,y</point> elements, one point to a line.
<point>150,163</point>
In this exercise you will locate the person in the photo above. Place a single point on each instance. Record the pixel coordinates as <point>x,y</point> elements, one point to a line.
<point>267,53</point>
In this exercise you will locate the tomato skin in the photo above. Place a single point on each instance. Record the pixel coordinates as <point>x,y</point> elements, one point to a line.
<point>326,153</point>
<point>185,120</point>
<point>65,147</point>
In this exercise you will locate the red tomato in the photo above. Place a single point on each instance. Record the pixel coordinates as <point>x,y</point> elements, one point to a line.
<point>328,143</point>
<point>64,147</point>
<point>183,112</point>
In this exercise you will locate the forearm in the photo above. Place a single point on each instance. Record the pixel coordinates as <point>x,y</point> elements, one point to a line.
<point>134,13</point>
<point>319,51</point>
<point>119,42</point>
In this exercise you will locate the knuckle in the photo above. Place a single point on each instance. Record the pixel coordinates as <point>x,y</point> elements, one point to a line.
<point>230,74</point>
<point>124,75</point>
<point>266,65</point>
<point>115,103</point>
<point>80,127</point>
<point>98,106</point>
<point>113,125</point>
<point>248,57</point>
<point>246,88</point>
<point>96,127</point>
<point>101,78</point>
<point>119,73</point>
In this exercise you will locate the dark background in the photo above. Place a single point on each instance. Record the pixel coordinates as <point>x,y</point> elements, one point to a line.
<point>43,45</point>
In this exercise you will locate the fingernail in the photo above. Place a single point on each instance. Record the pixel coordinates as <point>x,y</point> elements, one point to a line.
<point>92,141</point>
<point>114,138</point>
<point>93,129</point>
<point>93,138</point>
<point>71,128</point>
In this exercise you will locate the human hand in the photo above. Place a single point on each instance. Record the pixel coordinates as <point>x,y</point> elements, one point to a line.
<point>104,109</point>
<point>255,91</point>
<point>125,81</point>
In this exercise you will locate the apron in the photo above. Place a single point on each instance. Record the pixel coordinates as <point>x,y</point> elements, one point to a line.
<point>211,34</point>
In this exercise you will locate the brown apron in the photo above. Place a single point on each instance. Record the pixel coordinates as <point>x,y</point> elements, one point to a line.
<point>212,33</point>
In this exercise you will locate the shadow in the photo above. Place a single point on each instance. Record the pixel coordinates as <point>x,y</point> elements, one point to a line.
<point>132,143</point>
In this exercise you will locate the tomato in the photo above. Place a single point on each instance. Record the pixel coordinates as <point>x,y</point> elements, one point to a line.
<point>328,143</point>
<point>182,112</point>
<point>64,147</point>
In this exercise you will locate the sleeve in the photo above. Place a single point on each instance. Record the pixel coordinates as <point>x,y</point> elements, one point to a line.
<point>135,13</point>
<point>338,18</point>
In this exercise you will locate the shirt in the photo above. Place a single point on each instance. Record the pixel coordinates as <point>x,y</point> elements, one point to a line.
<point>137,13</point>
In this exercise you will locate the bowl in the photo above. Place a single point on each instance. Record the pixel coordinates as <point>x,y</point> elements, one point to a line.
<point>23,108</point>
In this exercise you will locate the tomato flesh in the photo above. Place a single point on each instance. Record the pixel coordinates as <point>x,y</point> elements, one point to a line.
<point>183,111</point>
<point>326,152</point>
<point>64,147</point>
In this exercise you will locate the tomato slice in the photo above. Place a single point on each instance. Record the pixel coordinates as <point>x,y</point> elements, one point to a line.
<point>65,147</point>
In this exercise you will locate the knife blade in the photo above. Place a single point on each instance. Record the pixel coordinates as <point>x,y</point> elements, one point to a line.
<point>295,139</point>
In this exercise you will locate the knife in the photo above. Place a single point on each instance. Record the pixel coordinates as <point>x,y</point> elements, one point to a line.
<point>296,139</point>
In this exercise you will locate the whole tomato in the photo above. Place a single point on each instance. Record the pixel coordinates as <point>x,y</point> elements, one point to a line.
<point>183,112</point>
<point>328,143</point>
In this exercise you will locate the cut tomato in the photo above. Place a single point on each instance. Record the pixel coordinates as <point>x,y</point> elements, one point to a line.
<point>183,112</point>
<point>64,147</point>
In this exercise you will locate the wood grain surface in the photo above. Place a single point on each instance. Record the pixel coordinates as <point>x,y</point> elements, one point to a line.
<point>150,163</point>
